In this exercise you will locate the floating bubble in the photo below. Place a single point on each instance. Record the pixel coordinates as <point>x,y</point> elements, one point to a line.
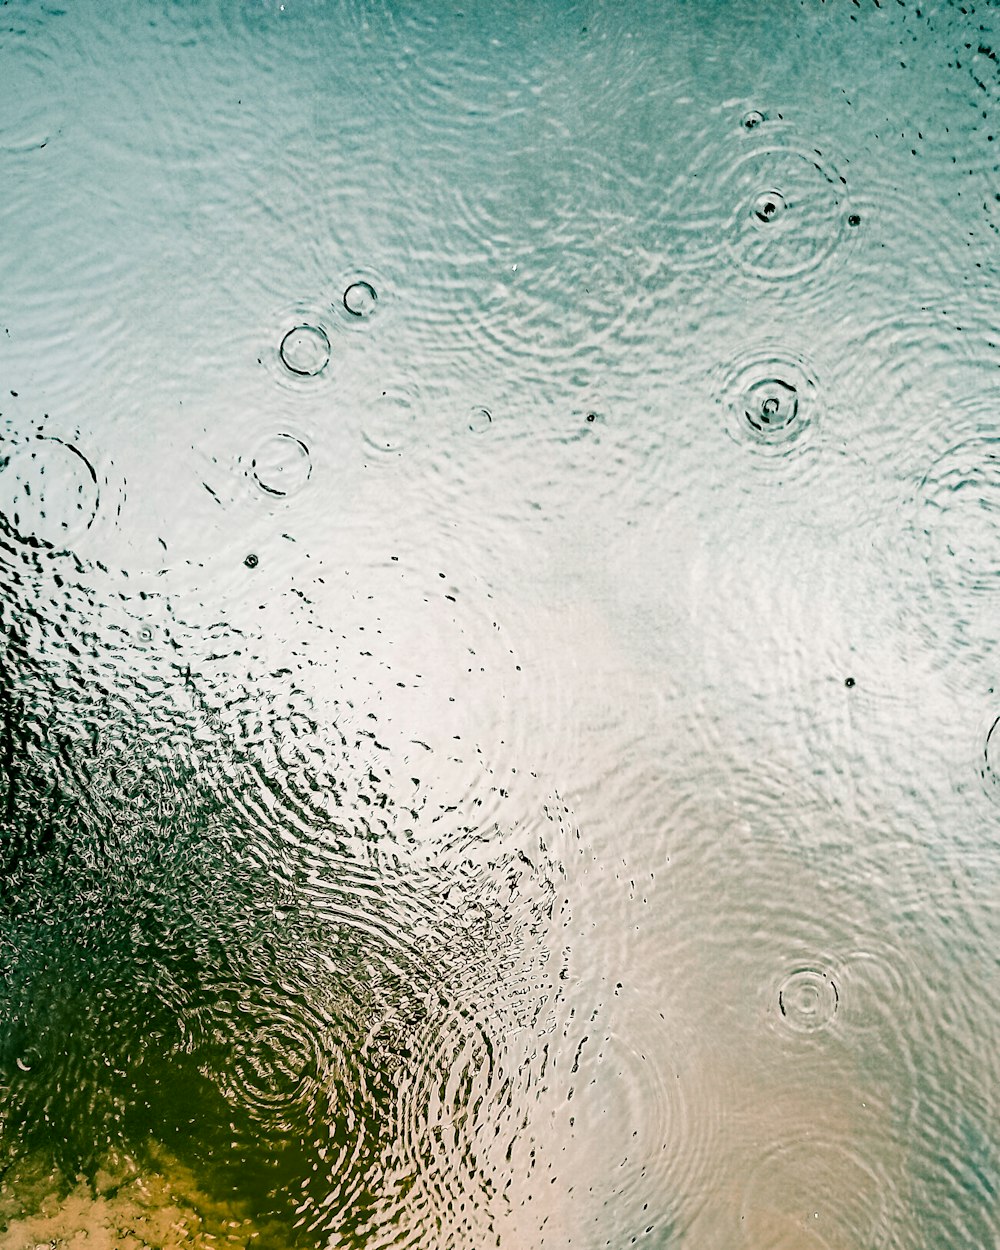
<point>281,466</point>
<point>752,120</point>
<point>305,350</point>
<point>48,492</point>
<point>808,999</point>
<point>480,420</point>
<point>360,299</point>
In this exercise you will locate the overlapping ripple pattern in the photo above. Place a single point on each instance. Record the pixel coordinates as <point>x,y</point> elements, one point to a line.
<point>499,647</point>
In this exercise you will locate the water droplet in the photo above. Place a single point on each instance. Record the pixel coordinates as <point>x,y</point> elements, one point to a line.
<point>770,404</point>
<point>281,466</point>
<point>251,561</point>
<point>360,299</point>
<point>808,1000</point>
<point>768,206</point>
<point>145,634</point>
<point>305,350</point>
<point>752,119</point>
<point>480,420</point>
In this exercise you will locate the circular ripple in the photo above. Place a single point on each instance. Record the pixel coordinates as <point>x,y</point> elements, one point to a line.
<point>960,507</point>
<point>625,1131</point>
<point>952,576</point>
<point>795,893</point>
<point>368,294</point>
<point>391,415</point>
<point>34,84</point>
<point>790,212</point>
<point>460,1107</point>
<point>48,492</point>
<point>305,350</point>
<point>480,420</point>
<point>815,1191</point>
<point>770,405</point>
<point>281,466</point>
<point>361,299</point>
<point>770,397</point>
<point>878,1014</point>
<point>928,361</point>
<point>296,347</point>
<point>989,768</point>
<point>277,1065</point>
<point>768,206</point>
<point>808,999</point>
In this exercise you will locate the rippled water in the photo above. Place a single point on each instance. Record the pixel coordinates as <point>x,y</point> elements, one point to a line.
<point>500,546</point>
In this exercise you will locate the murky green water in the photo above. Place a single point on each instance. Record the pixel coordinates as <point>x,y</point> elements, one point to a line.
<point>500,549</point>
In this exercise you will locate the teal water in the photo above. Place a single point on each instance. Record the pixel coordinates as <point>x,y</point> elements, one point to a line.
<point>499,529</point>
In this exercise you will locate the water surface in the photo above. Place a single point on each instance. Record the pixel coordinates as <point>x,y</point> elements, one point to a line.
<point>499,529</point>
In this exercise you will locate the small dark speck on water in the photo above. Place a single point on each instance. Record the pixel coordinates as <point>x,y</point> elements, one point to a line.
<point>854,219</point>
<point>849,682</point>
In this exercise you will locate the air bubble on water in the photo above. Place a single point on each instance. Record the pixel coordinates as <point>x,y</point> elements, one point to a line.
<point>360,299</point>
<point>305,350</point>
<point>752,119</point>
<point>480,420</point>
